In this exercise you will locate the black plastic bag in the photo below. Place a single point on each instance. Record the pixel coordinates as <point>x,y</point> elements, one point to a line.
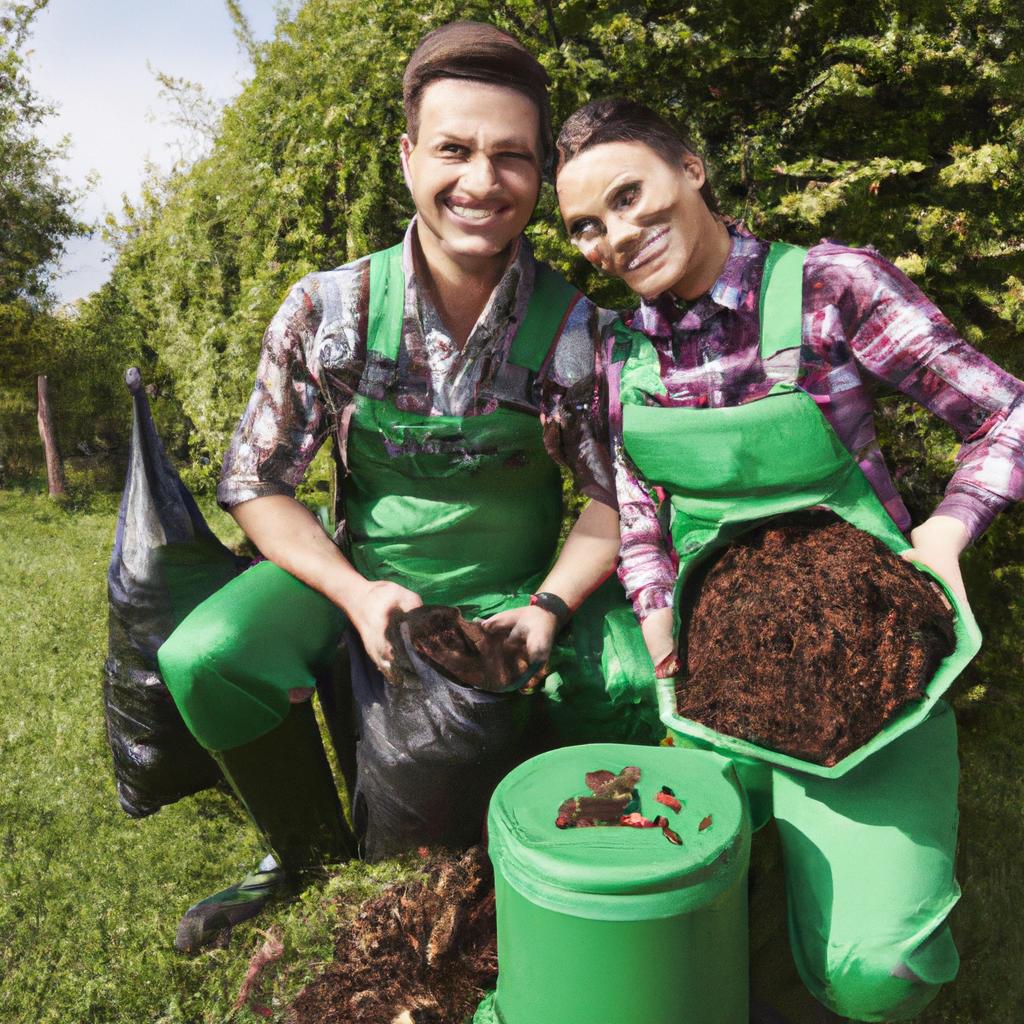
<point>429,754</point>
<point>166,560</point>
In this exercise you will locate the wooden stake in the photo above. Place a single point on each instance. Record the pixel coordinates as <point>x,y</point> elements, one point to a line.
<point>54,463</point>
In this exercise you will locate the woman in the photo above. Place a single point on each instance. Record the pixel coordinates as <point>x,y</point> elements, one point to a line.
<point>869,932</point>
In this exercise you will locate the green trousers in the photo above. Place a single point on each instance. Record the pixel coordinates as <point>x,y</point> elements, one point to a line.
<point>868,860</point>
<point>868,857</point>
<point>231,663</point>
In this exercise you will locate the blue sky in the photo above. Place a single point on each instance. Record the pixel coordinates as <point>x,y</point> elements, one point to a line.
<point>89,58</point>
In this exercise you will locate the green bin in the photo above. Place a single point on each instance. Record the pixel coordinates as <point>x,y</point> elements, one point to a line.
<point>616,925</point>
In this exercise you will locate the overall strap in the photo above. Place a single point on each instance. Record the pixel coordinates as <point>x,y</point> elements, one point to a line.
<point>781,301</point>
<point>550,305</point>
<point>387,302</point>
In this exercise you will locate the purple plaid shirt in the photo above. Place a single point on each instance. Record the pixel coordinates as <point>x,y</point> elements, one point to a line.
<point>863,321</point>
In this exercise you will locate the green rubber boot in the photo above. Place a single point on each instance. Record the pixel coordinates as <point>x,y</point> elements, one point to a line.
<point>286,785</point>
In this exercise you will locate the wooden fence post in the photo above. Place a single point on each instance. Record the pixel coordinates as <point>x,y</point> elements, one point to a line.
<point>54,463</point>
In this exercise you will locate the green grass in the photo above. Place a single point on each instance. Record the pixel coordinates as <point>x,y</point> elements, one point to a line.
<point>89,898</point>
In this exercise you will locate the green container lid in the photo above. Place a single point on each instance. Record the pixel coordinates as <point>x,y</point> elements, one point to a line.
<point>588,871</point>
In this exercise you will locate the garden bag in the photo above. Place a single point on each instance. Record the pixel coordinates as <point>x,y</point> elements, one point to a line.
<point>165,561</point>
<point>428,755</point>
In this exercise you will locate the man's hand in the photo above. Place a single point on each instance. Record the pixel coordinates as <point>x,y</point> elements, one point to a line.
<point>659,636</point>
<point>372,614</point>
<point>530,628</point>
<point>937,543</point>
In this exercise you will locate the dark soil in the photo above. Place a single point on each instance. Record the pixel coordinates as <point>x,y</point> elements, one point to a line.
<point>807,635</point>
<point>457,648</point>
<point>422,953</point>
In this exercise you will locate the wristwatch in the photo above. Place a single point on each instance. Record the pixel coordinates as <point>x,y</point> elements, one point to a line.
<point>554,604</point>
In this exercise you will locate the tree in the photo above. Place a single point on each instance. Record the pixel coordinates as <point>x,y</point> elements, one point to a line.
<point>36,215</point>
<point>36,219</point>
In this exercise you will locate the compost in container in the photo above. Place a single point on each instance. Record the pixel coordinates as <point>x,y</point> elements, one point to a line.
<point>807,635</point>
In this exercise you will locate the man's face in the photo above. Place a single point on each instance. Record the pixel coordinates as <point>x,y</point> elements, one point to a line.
<point>639,218</point>
<point>474,170</point>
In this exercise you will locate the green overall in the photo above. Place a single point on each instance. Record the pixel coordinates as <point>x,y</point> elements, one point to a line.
<point>868,856</point>
<point>461,510</point>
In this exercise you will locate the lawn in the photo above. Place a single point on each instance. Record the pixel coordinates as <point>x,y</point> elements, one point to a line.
<point>89,898</point>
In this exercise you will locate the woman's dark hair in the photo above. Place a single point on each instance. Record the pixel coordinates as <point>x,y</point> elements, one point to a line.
<point>618,120</point>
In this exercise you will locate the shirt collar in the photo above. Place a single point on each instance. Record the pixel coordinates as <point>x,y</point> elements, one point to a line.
<point>663,315</point>
<point>508,301</point>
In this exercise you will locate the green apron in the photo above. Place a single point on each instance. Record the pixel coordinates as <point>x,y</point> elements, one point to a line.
<point>466,511</point>
<point>727,470</point>
<point>427,498</point>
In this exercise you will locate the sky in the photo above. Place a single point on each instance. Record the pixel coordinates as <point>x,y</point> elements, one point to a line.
<point>89,59</point>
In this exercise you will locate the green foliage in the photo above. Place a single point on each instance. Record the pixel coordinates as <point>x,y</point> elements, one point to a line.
<point>35,205</point>
<point>36,219</point>
<point>896,123</point>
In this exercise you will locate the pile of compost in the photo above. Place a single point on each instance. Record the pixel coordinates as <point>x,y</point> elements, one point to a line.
<point>457,648</point>
<point>807,635</point>
<point>422,953</point>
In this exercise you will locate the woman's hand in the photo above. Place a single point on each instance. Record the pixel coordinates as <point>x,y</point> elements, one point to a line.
<point>937,543</point>
<point>372,613</point>
<point>659,634</point>
<point>529,628</point>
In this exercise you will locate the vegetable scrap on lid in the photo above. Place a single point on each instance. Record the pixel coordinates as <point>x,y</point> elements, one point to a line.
<point>614,801</point>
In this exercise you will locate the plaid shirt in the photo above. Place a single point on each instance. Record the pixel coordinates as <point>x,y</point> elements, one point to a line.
<point>314,359</point>
<point>864,322</point>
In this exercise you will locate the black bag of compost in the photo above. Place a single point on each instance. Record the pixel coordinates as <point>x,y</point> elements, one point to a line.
<point>166,560</point>
<point>429,753</point>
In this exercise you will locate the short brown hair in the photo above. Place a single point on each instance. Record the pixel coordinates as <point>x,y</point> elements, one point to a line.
<point>481,53</point>
<point>619,120</point>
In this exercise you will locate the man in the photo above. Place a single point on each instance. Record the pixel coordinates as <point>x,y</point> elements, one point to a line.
<point>432,362</point>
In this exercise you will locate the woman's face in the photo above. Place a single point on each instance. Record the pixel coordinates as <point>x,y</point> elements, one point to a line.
<point>639,218</point>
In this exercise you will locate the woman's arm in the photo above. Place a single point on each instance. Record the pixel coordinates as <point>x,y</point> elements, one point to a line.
<point>646,568</point>
<point>938,543</point>
<point>901,337</point>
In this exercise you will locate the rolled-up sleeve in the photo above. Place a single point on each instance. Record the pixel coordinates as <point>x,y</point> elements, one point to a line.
<point>284,423</point>
<point>905,340</point>
<point>573,404</point>
<point>646,569</point>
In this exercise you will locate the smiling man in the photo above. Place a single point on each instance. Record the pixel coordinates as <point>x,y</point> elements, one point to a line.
<point>433,364</point>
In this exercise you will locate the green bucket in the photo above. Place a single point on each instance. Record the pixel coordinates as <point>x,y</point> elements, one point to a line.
<point>617,924</point>
<point>751,758</point>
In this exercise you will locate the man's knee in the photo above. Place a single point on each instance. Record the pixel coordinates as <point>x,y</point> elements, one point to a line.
<point>196,655</point>
<point>224,700</point>
<point>874,983</point>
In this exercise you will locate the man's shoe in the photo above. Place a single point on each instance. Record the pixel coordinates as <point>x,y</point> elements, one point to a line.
<point>205,920</point>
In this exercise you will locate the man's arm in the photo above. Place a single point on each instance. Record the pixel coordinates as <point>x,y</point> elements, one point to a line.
<point>283,426</point>
<point>574,406</point>
<point>586,560</point>
<point>286,532</point>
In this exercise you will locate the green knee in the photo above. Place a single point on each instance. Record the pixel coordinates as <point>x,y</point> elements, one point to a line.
<point>222,705</point>
<point>866,984</point>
